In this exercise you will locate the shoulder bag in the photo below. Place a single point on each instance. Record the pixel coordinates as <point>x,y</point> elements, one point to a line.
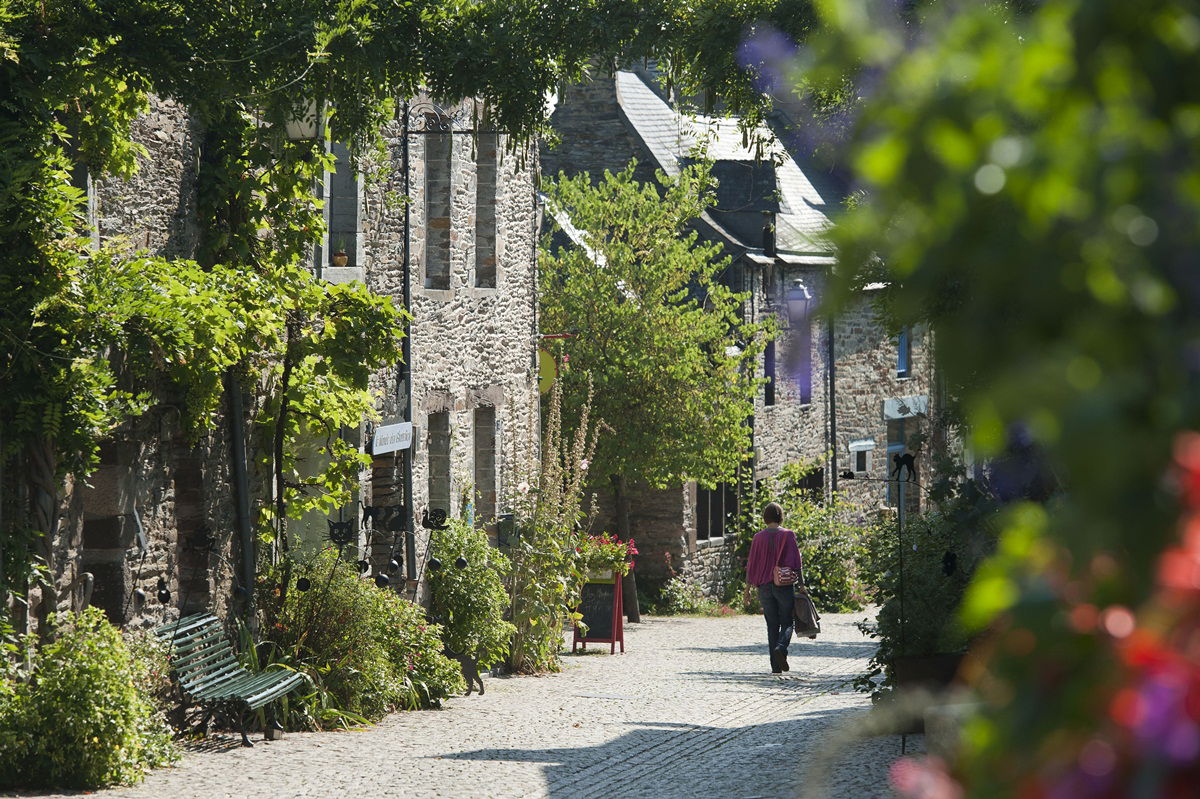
<point>807,621</point>
<point>783,575</point>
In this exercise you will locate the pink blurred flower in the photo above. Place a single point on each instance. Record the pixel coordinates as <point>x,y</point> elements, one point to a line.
<point>923,778</point>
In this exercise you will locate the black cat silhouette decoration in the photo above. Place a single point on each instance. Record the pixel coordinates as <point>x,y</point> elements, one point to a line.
<point>907,462</point>
<point>341,533</point>
<point>435,520</point>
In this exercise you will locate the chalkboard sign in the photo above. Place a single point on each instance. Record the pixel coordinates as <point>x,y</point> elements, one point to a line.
<point>597,609</point>
<point>602,609</point>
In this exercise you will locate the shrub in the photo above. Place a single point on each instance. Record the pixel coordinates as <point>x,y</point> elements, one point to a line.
<point>680,595</point>
<point>368,651</point>
<point>81,719</point>
<point>941,550</point>
<point>470,600</point>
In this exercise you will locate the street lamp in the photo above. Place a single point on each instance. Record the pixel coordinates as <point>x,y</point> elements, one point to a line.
<point>799,300</point>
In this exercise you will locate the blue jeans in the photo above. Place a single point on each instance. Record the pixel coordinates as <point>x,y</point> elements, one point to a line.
<point>778,606</point>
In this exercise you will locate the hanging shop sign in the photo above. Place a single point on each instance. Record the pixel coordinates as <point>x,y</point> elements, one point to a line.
<point>391,438</point>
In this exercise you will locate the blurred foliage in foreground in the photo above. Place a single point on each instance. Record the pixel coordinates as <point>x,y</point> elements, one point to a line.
<point>1030,188</point>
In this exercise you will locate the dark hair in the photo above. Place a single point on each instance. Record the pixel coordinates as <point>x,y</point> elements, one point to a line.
<point>773,514</point>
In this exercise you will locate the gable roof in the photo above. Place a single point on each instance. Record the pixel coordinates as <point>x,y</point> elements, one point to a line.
<point>672,138</point>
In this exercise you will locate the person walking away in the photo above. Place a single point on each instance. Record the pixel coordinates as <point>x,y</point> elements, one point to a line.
<point>772,567</point>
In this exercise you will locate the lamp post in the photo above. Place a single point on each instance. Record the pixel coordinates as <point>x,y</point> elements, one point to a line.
<point>798,300</point>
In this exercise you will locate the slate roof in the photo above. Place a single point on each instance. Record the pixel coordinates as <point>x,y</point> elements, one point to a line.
<point>672,138</point>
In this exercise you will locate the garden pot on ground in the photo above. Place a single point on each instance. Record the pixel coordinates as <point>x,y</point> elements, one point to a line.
<point>934,673</point>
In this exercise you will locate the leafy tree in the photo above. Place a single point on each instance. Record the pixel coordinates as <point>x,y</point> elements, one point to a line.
<point>655,331</point>
<point>87,67</point>
<point>1030,191</point>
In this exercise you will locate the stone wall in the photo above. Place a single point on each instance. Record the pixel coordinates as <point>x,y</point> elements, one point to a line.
<point>790,430</point>
<point>593,132</point>
<point>158,511</point>
<point>473,343</point>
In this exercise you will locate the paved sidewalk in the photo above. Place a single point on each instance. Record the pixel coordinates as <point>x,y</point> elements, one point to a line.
<point>690,710</point>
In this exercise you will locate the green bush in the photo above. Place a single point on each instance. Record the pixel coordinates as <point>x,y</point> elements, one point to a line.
<point>368,651</point>
<point>82,718</point>
<point>941,550</point>
<point>680,595</point>
<point>470,602</point>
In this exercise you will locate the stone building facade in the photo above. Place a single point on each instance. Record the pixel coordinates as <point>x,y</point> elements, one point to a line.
<point>450,212</point>
<point>839,394</point>
<point>150,534</point>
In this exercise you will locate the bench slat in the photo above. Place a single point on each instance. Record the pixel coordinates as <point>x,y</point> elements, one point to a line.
<point>185,627</point>
<point>195,661</point>
<point>271,694</point>
<point>228,671</point>
<point>191,645</point>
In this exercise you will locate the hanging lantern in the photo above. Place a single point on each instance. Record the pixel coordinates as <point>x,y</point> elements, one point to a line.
<point>382,580</point>
<point>164,594</point>
<point>139,595</point>
<point>461,563</point>
<point>434,564</point>
<point>363,566</point>
<point>303,584</point>
<point>393,565</point>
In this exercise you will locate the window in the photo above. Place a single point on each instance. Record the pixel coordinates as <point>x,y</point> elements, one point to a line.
<point>904,352</point>
<point>812,485</point>
<point>769,373</point>
<point>438,154</point>
<point>343,205</point>
<point>898,432</point>
<point>714,509</point>
<point>860,454</point>
<point>485,465</point>
<point>437,446</point>
<point>339,190</point>
<point>485,212</point>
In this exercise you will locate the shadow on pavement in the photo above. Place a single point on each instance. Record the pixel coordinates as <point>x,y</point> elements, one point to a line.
<point>800,648</point>
<point>674,761</point>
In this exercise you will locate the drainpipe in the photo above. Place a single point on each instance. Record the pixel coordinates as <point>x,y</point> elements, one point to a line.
<point>833,443</point>
<point>241,488</point>
<point>404,397</point>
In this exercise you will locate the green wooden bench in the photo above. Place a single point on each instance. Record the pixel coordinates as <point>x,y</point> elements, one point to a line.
<point>209,672</point>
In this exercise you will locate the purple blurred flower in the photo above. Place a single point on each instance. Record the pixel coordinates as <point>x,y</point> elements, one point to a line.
<point>1163,724</point>
<point>767,54</point>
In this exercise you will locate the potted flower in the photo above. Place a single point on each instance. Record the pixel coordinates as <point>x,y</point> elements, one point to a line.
<point>603,556</point>
<point>339,257</point>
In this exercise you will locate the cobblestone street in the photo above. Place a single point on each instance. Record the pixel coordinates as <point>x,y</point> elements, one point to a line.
<point>690,710</point>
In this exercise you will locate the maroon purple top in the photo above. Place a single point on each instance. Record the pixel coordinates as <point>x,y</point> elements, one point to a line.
<point>765,554</point>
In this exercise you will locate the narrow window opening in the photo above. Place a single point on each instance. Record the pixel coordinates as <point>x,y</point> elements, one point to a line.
<point>438,155</point>
<point>343,208</point>
<point>904,352</point>
<point>769,373</point>
<point>438,449</point>
<point>485,212</point>
<point>485,465</point>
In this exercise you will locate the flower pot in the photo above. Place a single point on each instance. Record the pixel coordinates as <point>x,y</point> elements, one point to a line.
<point>340,258</point>
<point>932,672</point>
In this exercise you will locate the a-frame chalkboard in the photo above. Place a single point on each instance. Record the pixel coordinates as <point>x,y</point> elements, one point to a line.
<point>603,612</point>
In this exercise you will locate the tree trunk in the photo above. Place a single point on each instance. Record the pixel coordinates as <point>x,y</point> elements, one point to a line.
<point>629,582</point>
<point>43,505</point>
